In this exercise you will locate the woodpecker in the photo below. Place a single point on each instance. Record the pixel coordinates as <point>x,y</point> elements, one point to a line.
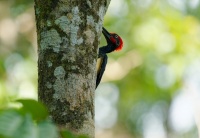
<point>114,43</point>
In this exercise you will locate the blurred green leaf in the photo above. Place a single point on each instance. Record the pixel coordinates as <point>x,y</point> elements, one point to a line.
<point>46,129</point>
<point>27,129</point>
<point>68,134</point>
<point>15,125</point>
<point>10,121</point>
<point>36,109</point>
<point>19,6</point>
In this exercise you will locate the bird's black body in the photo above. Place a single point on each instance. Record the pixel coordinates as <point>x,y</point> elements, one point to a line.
<point>102,67</point>
<point>114,42</point>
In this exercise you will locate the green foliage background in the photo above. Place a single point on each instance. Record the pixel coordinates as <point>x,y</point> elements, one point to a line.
<point>161,43</point>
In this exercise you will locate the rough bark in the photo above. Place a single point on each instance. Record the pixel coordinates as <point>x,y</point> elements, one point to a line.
<point>68,34</point>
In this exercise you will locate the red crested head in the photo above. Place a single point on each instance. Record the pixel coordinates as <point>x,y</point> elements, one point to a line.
<point>117,40</point>
<point>114,41</point>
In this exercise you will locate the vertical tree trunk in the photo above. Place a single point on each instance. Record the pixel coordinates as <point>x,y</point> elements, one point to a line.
<point>68,36</point>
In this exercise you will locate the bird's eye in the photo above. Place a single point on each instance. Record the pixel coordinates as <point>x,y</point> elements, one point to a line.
<point>117,42</point>
<point>116,36</point>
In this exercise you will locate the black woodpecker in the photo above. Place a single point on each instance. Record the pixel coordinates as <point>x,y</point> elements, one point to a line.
<point>114,42</point>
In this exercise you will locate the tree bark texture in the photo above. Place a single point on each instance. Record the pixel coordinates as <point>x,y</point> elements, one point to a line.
<point>68,34</point>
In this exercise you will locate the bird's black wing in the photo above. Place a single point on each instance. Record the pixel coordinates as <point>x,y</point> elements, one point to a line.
<point>102,69</point>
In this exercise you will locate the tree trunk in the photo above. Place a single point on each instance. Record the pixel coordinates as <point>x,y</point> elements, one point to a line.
<point>68,36</point>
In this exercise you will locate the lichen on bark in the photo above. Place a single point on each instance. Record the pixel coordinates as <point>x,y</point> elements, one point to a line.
<point>68,37</point>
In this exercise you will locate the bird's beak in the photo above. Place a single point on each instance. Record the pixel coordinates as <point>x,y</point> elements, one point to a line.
<point>106,33</point>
